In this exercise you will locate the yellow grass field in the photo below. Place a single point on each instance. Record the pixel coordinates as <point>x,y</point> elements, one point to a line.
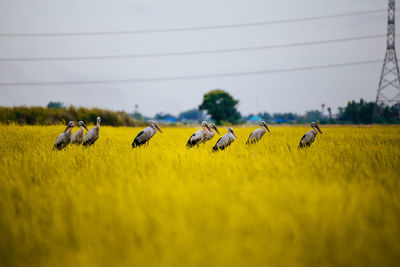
<point>334,204</point>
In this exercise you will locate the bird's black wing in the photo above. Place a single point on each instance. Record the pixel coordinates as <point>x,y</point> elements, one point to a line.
<point>190,143</point>
<point>228,144</point>
<point>248,139</point>
<point>89,142</point>
<point>300,144</point>
<point>59,145</point>
<point>136,141</point>
<point>216,148</point>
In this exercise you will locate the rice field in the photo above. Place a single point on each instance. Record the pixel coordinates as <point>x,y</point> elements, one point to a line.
<point>270,204</point>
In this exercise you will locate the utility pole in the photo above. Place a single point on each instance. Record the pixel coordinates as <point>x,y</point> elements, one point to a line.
<point>389,83</point>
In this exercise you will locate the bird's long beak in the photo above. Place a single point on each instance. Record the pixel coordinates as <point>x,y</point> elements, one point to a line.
<point>266,127</point>
<point>84,126</point>
<point>234,134</point>
<point>215,128</point>
<point>208,128</point>
<point>319,130</point>
<point>158,128</point>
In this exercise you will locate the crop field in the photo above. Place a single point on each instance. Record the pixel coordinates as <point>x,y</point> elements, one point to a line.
<point>336,203</point>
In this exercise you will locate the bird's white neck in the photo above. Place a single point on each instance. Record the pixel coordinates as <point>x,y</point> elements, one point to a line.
<point>68,129</point>
<point>153,129</point>
<point>211,133</point>
<point>315,131</point>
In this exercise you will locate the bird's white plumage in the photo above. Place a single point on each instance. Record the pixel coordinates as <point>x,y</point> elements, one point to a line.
<point>225,141</point>
<point>309,137</point>
<point>65,138</point>
<point>77,138</point>
<point>93,134</point>
<point>146,134</point>
<point>210,134</point>
<point>256,135</point>
<point>199,136</point>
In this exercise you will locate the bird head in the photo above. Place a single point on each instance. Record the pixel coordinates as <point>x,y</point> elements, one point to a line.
<point>69,127</point>
<point>314,125</point>
<point>154,126</point>
<point>98,120</point>
<point>230,130</point>
<point>212,125</point>
<point>71,124</point>
<point>204,124</point>
<point>82,124</point>
<point>263,124</point>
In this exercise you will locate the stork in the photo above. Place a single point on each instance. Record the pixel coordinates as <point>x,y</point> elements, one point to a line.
<point>225,140</point>
<point>146,134</point>
<point>256,135</point>
<point>93,134</point>
<point>65,138</point>
<point>309,137</point>
<point>77,138</point>
<point>210,135</point>
<point>199,136</point>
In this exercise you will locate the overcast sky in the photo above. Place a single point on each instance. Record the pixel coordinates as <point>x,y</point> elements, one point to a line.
<point>278,92</point>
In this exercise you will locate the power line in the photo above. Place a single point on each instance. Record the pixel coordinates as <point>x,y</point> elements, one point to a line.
<point>191,77</point>
<point>229,50</point>
<point>198,28</point>
<point>185,53</point>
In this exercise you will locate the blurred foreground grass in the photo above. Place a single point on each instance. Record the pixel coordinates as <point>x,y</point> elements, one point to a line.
<point>334,204</point>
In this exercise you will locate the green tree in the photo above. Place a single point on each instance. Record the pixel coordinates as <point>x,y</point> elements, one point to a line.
<point>221,106</point>
<point>55,105</point>
<point>357,112</point>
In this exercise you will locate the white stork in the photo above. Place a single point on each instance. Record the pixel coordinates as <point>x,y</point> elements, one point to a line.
<point>256,135</point>
<point>309,137</point>
<point>77,138</point>
<point>225,140</point>
<point>199,136</point>
<point>210,135</point>
<point>146,134</point>
<point>65,138</point>
<point>93,134</point>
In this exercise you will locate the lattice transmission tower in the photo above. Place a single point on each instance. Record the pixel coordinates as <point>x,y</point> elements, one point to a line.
<point>389,83</point>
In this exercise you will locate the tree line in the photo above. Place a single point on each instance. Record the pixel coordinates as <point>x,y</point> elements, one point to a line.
<point>56,114</point>
<point>222,109</point>
<point>220,106</point>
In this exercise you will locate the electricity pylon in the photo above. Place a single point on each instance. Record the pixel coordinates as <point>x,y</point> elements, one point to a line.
<point>389,83</point>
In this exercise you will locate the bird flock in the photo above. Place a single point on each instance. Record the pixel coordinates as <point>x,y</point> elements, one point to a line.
<point>66,137</point>
<point>203,135</point>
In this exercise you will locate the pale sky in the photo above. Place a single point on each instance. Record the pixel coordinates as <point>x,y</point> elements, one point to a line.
<point>277,92</point>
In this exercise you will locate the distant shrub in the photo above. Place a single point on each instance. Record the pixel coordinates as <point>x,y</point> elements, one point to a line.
<point>49,116</point>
